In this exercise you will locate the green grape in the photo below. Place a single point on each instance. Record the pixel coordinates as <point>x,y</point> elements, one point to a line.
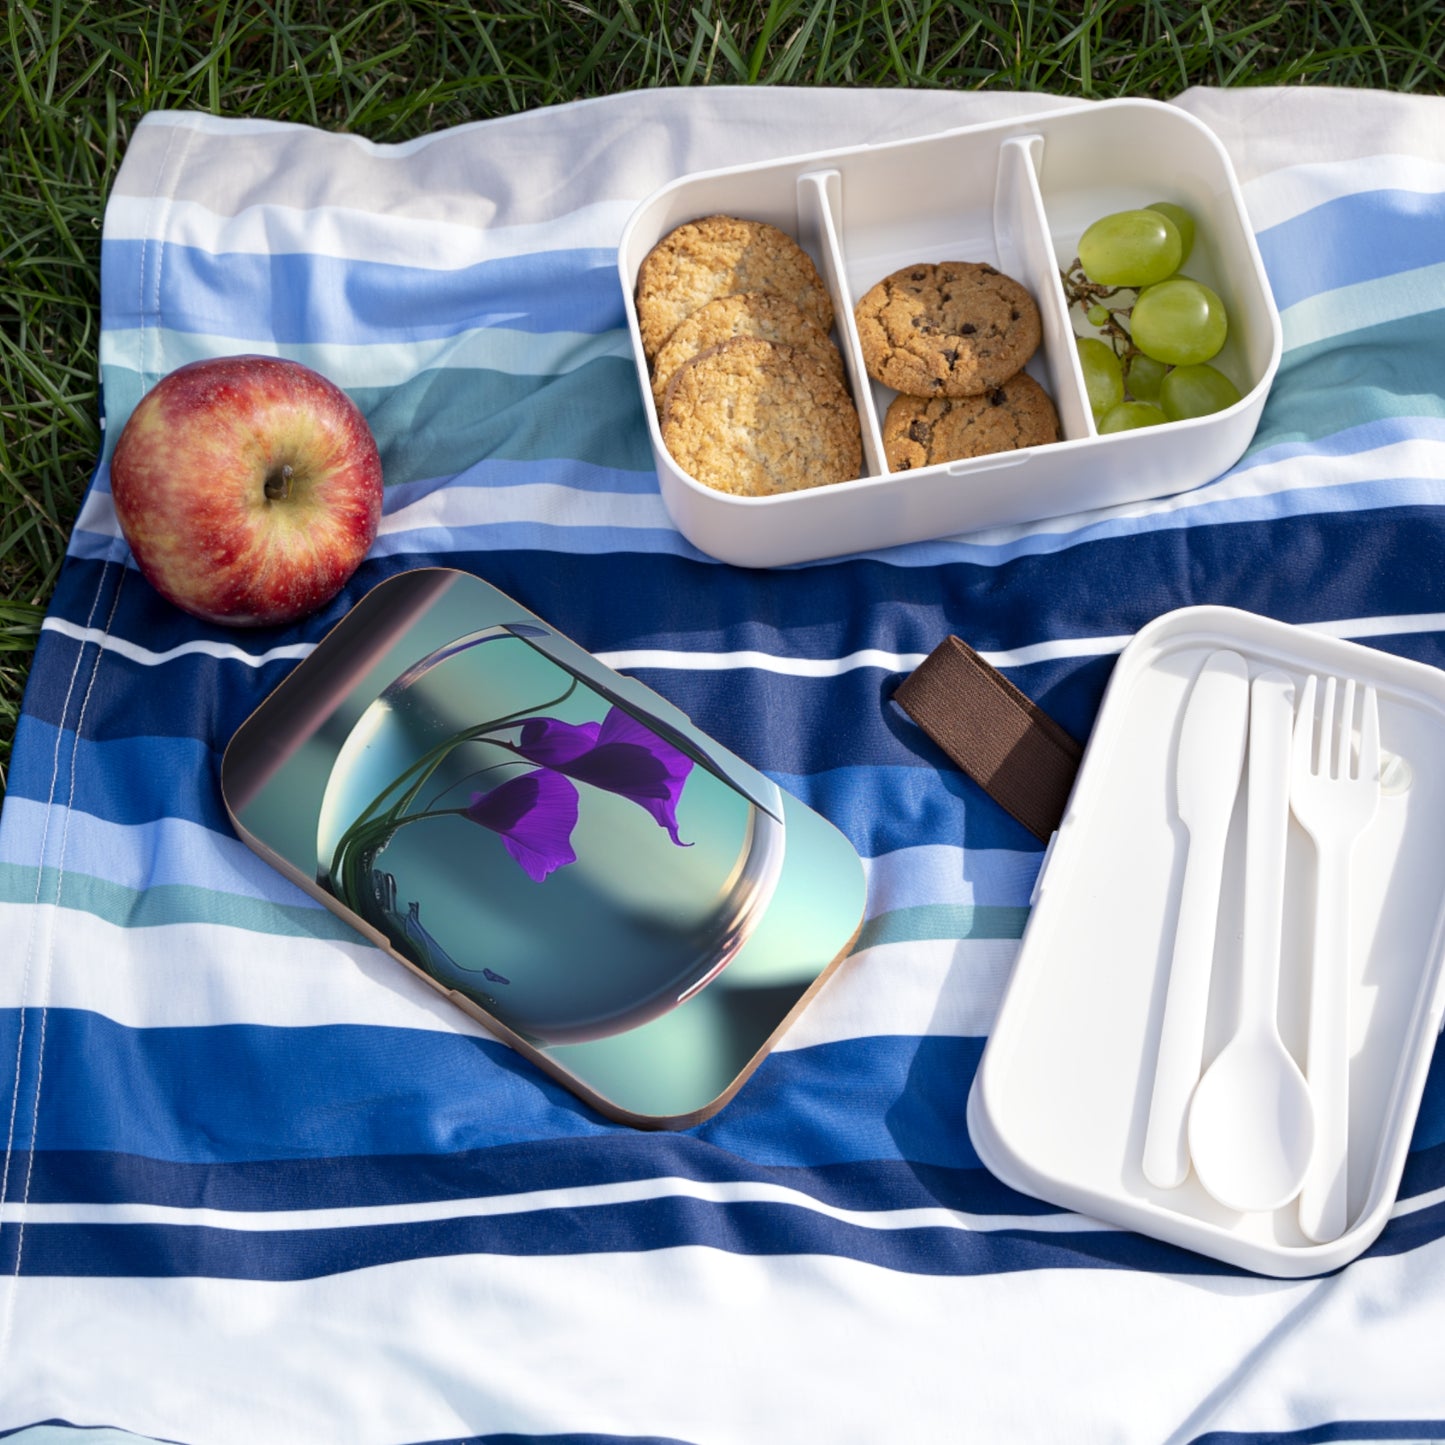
<point>1098,315</point>
<point>1196,391</point>
<point>1183,223</point>
<point>1129,415</point>
<point>1144,376</point>
<point>1179,322</point>
<point>1103,376</point>
<point>1130,248</point>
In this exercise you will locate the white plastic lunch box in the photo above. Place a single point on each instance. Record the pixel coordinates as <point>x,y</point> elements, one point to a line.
<point>1060,1105</point>
<point>1016,195</point>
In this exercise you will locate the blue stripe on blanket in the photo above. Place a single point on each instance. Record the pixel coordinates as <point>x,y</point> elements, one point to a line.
<point>126,780</point>
<point>101,1177</point>
<point>55,1431</point>
<point>1353,238</point>
<point>335,1091</point>
<point>666,1220</point>
<point>299,297</point>
<point>1336,1432</point>
<point>617,602</point>
<point>750,1228</point>
<point>342,1092</point>
<point>89,1177</point>
<point>303,297</point>
<point>491,473</point>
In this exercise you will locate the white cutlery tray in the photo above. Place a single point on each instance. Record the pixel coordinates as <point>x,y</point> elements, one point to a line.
<point>1016,195</point>
<point>1060,1104</point>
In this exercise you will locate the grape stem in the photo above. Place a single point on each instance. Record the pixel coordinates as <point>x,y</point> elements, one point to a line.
<point>1086,295</point>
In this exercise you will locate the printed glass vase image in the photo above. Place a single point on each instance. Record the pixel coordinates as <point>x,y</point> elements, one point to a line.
<point>551,848</point>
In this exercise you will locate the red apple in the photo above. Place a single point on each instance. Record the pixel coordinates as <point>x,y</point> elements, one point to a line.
<point>248,487</point>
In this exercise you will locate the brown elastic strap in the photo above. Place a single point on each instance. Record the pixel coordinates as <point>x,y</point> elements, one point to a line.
<point>1008,745</point>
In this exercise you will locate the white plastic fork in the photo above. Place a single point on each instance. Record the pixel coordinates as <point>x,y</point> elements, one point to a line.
<point>1334,795</point>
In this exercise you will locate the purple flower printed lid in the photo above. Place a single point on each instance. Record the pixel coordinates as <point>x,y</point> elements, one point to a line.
<point>552,845</point>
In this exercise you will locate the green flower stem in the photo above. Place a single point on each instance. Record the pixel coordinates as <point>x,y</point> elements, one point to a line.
<point>368,829</point>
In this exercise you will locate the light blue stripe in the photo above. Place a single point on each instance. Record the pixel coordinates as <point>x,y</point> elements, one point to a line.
<point>536,537</point>
<point>307,299</point>
<point>912,877</point>
<point>169,852</point>
<point>504,473</point>
<point>1349,441</point>
<point>494,472</point>
<point>1353,238</point>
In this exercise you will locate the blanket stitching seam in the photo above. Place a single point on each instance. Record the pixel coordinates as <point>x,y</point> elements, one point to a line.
<point>163,188</point>
<point>50,952</point>
<point>163,195</point>
<point>30,952</point>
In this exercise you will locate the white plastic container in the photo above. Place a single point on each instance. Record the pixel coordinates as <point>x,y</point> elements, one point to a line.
<point>1060,1104</point>
<point>1016,195</point>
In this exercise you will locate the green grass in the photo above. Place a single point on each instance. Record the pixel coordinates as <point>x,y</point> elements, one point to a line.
<point>76,77</point>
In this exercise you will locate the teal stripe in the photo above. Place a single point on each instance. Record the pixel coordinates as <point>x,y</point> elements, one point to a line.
<point>1375,374</point>
<point>171,903</point>
<point>166,904</point>
<point>442,422</point>
<point>439,423</point>
<point>942,921</point>
<point>487,348</point>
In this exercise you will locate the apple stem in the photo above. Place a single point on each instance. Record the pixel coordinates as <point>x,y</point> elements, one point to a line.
<point>278,484</point>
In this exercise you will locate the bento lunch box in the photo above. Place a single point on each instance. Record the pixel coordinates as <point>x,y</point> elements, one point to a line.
<point>1016,195</point>
<point>1060,1107</point>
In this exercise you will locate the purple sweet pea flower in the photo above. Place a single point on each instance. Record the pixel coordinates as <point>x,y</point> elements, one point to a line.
<point>618,754</point>
<point>534,814</point>
<point>551,743</point>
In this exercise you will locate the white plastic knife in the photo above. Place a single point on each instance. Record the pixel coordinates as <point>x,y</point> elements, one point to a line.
<point>1210,760</point>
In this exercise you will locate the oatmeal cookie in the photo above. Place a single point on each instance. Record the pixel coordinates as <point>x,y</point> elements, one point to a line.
<point>748,313</point>
<point>753,418</point>
<point>716,256</point>
<point>955,328</point>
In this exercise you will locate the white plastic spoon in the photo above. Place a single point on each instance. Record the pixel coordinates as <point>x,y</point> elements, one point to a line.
<point>1211,753</point>
<point>1251,1121</point>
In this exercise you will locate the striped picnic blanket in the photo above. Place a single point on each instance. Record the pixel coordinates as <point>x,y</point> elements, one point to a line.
<point>260,1184</point>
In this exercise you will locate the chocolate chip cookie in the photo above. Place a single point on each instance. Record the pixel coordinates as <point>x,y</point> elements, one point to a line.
<point>749,313</point>
<point>753,418</point>
<point>717,256</point>
<point>918,432</point>
<point>954,328</point>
